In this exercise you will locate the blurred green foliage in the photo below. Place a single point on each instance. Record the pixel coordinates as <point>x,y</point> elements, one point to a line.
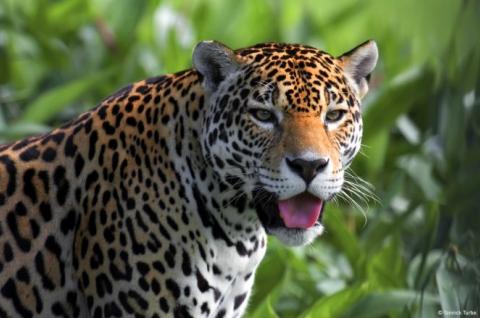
<point>409,253</point>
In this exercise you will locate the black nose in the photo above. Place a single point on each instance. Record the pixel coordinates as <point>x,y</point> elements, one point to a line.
<point>307,169</point>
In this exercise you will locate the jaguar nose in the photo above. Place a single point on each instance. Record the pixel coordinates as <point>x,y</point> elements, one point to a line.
<point>307,169</point>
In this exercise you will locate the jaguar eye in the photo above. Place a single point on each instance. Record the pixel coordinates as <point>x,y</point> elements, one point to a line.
<point>334,115</point>
<point>262,115</point>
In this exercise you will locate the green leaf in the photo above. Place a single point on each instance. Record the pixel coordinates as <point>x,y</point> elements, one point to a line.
<point>77,11</point>
<point>386,268</point>
<point>382,303</point>
<point>265,309</point>
<point>457,280</point>
<point>336,304</point>
<point>122,17</point>
<point>375,153</point>
<point>395,99</point>
<point>421,267</point>
<point>21,130</point>
<point>268,279</point>
<point>421,170</point>
<point>340,235</point>
<point>50,103</point>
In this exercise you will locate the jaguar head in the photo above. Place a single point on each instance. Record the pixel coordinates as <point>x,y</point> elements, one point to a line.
<point>283,122</point>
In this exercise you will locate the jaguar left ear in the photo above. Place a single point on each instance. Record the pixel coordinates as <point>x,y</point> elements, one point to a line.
<point>358,63</point>
<point>215,62</point>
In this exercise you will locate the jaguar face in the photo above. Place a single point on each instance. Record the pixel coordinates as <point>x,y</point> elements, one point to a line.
<point>283,122</point>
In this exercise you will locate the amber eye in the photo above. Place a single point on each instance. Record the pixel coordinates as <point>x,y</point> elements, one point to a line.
<point>334,115</point>
<point>262,115</point>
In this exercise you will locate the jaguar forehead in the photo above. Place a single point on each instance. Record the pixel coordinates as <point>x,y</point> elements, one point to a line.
<point>306,79</point>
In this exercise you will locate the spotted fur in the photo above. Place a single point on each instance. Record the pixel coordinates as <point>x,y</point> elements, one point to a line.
<point>157,202</point>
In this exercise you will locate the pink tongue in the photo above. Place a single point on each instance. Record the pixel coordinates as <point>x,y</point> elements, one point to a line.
<point>301,211</point>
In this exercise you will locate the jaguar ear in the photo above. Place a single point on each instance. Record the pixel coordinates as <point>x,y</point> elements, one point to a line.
<point>358,63</point>
<point>215,62</point>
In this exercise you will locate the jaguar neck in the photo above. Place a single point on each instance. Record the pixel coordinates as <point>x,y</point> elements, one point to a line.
<point>222,206</point>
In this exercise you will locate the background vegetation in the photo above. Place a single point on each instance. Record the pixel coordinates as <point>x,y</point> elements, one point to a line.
<point>413,251</point>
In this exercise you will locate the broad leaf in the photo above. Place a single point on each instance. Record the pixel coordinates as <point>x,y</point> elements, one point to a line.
<point>50,103</point>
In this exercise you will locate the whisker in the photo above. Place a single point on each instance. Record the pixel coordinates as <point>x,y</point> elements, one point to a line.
<point>358,193</point>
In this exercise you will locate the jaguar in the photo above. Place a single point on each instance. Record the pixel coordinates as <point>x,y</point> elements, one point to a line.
<point>158,201</point>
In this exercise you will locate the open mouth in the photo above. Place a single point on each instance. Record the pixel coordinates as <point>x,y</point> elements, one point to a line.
<point>302,211</point>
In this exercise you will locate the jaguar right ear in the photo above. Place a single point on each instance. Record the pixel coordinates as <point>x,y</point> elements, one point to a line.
<point>215,62</point>
<point>358,63</point>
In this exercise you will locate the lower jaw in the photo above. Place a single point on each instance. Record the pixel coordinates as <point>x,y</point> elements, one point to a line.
<point>296,237</point>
